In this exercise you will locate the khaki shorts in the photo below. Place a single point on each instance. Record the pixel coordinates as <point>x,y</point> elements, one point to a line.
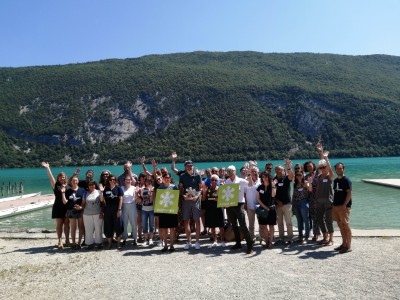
<point>341,214</point>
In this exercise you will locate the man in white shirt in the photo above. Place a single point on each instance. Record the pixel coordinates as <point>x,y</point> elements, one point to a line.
<point>236,213</point>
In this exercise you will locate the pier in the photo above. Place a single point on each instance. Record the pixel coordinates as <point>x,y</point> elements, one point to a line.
<point>386,182</point>
<point>22,204</point>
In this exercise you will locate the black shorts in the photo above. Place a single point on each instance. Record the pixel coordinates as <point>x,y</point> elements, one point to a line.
<point>73,214</point>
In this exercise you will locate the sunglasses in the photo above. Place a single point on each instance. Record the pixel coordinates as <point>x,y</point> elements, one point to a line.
<point>111,179</point>
<point>214,180</point>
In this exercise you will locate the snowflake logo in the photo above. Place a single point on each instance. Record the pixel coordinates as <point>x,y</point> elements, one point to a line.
<point>191,192</point>
<point>166,199</point>
<point>227,193</point>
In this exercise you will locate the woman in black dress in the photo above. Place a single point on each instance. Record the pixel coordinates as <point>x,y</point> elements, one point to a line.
<point>214,215</point>
<point>266,192</point>
<point>59,210</point>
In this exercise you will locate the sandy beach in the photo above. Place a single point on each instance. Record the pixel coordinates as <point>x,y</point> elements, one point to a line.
<point>33,267</point>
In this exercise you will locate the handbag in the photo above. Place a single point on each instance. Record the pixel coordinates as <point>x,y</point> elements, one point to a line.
<point>261,212</point>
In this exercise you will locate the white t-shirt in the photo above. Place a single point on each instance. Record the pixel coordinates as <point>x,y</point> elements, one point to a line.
<point>251,195</point>
<point>129,194</point>
<point>242,187</point>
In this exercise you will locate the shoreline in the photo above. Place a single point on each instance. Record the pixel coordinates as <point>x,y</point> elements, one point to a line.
<point>40,233</point>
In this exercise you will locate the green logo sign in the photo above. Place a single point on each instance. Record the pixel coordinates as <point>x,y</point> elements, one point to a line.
<point>228,195</point>
<point>166,201</point>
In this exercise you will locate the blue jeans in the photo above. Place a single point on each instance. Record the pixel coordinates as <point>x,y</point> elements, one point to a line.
<point>148,221</point>
<point>302,212</point>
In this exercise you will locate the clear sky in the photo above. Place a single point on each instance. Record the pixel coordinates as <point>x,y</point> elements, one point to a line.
<point>51,32</point>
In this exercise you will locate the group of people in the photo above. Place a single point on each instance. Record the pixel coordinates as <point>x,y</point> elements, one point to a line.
<point>108,206</point>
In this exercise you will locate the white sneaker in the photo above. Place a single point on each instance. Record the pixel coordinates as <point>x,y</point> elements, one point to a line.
<point>197,246</point>
<point>223,245</point>
<point>214,245</point>
<point>187,246</point>
<point>160,243</point>
<point>150,242</point>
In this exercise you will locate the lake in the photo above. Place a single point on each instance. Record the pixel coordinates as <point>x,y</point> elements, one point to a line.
<point>374,206</point>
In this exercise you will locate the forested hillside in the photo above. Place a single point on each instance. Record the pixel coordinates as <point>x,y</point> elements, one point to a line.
<point>206,106</point>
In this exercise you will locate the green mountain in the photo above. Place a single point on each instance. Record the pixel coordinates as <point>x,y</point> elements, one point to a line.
<point>206,106</point>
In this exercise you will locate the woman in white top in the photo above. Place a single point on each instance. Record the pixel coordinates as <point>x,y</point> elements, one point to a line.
<point>93,217</point>
<point>129,211</point>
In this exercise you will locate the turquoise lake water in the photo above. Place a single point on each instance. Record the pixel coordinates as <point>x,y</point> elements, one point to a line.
<point>374,206</point>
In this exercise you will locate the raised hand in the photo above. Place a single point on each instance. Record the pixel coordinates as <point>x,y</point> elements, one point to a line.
<point>174,155</point>
<point>319,147</point>
<point>253,163</point>
<point>153,163</point>
<point>45,164</point>
<point>275,182</point>
<point>288,163</point>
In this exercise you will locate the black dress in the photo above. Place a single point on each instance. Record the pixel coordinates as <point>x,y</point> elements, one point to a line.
<point>214,214</point>
<point>266,199</point>
<point>59,209</point>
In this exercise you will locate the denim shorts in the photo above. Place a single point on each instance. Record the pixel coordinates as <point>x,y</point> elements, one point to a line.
<point>73,214</point>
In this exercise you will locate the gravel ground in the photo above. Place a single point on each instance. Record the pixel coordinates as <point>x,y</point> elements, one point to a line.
<point>34,268</point>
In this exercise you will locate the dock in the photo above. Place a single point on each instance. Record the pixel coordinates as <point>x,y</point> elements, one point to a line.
<point>386,182</point>
<point>23,204</point>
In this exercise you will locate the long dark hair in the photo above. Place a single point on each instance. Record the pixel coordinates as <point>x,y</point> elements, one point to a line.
<point>102,179</point>
<point>296,181</point>
<point>305,169</point>
<point>268,175</point>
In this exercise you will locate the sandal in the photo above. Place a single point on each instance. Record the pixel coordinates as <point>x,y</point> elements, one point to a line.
<point>327,243</point>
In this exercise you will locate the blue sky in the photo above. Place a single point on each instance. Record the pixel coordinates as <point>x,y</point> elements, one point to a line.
<point>51,32</point>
